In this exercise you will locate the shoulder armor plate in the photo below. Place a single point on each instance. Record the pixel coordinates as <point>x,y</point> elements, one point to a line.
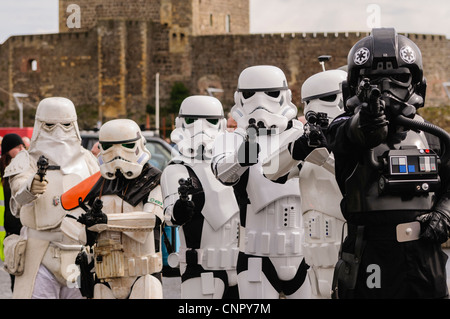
<point>19,163</point>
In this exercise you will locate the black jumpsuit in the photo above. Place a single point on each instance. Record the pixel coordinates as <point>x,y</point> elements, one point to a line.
<point>411,269</point>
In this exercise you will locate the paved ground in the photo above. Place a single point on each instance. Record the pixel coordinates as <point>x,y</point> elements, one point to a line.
<point>171,285</point>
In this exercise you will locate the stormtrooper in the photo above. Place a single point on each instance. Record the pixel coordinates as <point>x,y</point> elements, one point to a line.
<point>322,217</point>
<point>271,260</point>
<point>204,208</point>
<point>43,269</point>
<point>393,170</point>
<point>121,219</point>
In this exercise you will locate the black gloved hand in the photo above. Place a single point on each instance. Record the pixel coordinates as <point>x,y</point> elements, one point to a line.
<point>94,215</point>
<point>183,210</point>
<point>372,115</point>
<point>248,153</point>
<point>300,148</point>
<point>435,226</point>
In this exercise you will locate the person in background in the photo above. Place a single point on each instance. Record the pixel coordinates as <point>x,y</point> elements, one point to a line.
<point>231,123</point>
<point>26,142</point>
<point>12,144</point>
<point>95,149</point>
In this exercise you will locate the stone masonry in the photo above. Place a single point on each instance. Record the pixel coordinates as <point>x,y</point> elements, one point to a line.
<point>108,66</point>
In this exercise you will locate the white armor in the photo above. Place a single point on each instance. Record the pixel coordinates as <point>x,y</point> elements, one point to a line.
<point>125,254</point>
<point>272,227</point>
<point>215,239</point>
<point>55,136</point>
<point>263,95</point>
<point>322,92</point>
<point>321,196</point>
<point>199,120</point>
<point>122,148</point>
<point>128,241</point>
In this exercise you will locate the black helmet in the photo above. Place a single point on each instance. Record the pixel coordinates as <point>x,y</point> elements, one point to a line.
<point>387,53</point>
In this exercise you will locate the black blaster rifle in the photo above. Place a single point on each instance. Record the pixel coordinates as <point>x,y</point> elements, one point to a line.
<point>316,122</point>
<point>93,215</point>
<point>369,95</point>
<point>42,165</point>
<point>185,189</point>
<point>87,281</point>
<point>251,150</point>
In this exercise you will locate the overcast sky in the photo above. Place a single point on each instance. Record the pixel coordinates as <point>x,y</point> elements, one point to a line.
<point>21,17</point>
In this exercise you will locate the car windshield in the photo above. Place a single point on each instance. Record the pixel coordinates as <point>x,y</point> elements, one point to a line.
<point>160,154</point>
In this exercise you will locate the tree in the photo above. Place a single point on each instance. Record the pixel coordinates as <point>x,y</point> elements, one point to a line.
<point>178,93</point>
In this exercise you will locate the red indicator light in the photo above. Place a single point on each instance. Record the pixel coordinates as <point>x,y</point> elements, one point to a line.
<point>427,151</point>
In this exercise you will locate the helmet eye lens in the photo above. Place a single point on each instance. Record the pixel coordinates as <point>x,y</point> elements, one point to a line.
<point>189,120</point>
<point>273,94</point>
<point>129,145</point>
<point>106,146</point>
<point>213,121</point>
<point>402,78</point>
<point>328,98</point>
<point>248,94</point>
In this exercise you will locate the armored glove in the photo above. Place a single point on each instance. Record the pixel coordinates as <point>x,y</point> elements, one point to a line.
<point>301,148</point>
<point>435,226</point>
<point>37,186</point>
<point>372,115</point>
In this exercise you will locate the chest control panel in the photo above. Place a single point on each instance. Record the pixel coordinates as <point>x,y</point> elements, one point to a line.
<point>409,171</point>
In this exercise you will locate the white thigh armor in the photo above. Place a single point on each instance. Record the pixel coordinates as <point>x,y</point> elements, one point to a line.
<point>219,233</point>
<point>324,225</point>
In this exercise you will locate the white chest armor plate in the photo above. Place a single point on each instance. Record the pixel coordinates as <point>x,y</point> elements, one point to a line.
<point>273,224</point>
<point>47,213</point>
<point>218,247</point>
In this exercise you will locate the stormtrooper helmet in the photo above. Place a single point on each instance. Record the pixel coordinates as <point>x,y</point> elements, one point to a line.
<point>263,98</point>
<point>199,121</point>
<point>56,115</point>
<point>56,134</point>
<point>322,93</point>
<point>122,148</point>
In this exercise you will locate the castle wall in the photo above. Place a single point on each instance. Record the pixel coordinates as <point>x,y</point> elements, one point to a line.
<point>110,70</point>
<point>221,59</point>
<point>65,65</point>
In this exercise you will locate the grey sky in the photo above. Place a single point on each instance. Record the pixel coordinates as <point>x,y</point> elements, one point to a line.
<point>21,17</point>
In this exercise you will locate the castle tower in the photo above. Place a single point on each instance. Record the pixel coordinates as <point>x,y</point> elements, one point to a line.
<point>192,17</point>
<point>137,38</point>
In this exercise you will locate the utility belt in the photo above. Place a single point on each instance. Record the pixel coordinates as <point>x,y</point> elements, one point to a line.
<point>110,262</point>
<point>396,232</point>
<point>210,258</point>
<point>273,243</point>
